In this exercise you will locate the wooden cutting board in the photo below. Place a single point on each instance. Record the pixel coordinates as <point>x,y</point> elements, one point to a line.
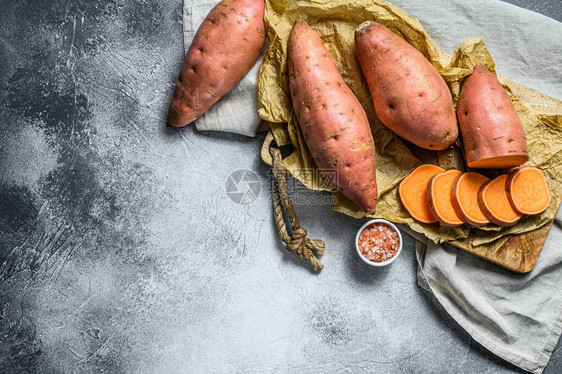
<point>514,252</point>
<point>518,252</point>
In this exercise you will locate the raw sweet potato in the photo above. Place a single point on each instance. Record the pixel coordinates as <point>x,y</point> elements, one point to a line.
<point>491,130</point>
<point>409,95</point>
<point>493,201</point>
<point>413,192</point>
<point>527,190</point>
<point>224,50</point>
<point>439,197</point>
<point>464,195</point>
<point>333,122</point>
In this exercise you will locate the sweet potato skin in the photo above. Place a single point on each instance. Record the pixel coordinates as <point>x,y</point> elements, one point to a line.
<point>474,221</point>
<point>409,186</point>
<point>482,202</point>
<point>333,122</point>
<point>444,221</point>
<point>491,130</point>
<point>224,50</point>
<point>409,95</point>
<point>510,191</point>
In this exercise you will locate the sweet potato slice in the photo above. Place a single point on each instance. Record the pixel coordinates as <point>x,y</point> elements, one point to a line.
<point>493,201</point>
<point>464,194</point>
<point>439,197</point>
<point>413,192</point>
<point>527,190</point>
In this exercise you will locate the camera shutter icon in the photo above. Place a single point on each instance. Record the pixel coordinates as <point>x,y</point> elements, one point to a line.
<point>243,186</point>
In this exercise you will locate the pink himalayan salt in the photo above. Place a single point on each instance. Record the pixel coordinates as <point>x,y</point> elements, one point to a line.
<point>378,242</point>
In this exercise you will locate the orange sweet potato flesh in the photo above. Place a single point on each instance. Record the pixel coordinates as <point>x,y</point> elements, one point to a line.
<point>439,197</point>
<point>492,133</point>
<point>464,194</point>
<point>413,192</point>
<point>493,201</point>
<point>409,95</point>
<point>333,122</point>
<point>224,50</point>
<point>527,190</point>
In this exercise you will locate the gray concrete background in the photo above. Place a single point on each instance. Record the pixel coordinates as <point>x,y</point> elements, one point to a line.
<point>551,8</point>
<point>121,252</point>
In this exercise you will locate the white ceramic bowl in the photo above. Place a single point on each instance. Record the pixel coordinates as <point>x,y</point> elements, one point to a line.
<point>381,263</point>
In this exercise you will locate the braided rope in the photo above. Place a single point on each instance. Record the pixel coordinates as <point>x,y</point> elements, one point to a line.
<point>297,243</point>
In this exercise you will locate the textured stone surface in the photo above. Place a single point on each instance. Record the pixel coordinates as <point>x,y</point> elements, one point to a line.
<point>551,8</point>
<point>121,252</point>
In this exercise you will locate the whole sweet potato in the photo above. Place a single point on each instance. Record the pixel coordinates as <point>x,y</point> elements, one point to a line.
<point>492,133</point>
<point>409,95</point>
<point>224,50</point>
<point>333,122</point>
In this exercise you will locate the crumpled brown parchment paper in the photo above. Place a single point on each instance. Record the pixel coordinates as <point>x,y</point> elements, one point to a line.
<point>336,21</point>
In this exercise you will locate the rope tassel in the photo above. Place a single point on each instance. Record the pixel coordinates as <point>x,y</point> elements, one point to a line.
<point>297,243</point>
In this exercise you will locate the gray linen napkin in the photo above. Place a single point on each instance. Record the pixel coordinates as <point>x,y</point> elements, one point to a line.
<point>517,317</point>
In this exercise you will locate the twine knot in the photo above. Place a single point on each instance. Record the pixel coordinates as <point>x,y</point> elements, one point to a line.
<point>297,243</point>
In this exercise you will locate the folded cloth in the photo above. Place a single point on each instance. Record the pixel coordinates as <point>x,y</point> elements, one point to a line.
<point>516,316</point>
<point>237,111</point>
